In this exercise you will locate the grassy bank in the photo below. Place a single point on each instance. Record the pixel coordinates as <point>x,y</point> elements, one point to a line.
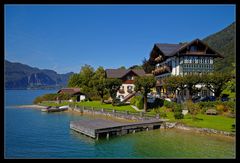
<point>96,104</point>
<point>217,122</point>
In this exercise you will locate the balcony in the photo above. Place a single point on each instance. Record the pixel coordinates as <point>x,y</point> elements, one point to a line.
<point>196,52</point>
<point>162,70</point>
<point>158,59</point>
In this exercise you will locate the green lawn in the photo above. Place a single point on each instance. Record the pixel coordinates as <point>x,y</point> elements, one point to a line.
<point>98,104</point>
<point>95,104</point>
<point>217,122</point>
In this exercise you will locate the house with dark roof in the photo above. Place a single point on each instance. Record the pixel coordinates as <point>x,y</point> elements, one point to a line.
<point>195,57</point>
<point>126,90</point>
<point>73,92</point>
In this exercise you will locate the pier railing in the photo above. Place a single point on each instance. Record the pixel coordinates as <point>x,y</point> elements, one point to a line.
<point>116,113</point>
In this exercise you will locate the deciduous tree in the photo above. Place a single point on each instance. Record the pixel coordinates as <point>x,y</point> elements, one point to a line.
<point>144,85</point>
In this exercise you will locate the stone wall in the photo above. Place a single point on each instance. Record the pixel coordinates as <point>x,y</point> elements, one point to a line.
<point>203,130</point>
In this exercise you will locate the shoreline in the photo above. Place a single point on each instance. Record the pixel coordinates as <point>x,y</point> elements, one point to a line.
<point>29,106</point>
<point>169,125</point>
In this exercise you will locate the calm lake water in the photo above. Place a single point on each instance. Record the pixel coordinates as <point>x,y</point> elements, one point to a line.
<point>29,133</point>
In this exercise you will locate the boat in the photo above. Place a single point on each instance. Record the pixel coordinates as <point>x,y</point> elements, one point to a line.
<point>46,109</point>
<point>55,109</point>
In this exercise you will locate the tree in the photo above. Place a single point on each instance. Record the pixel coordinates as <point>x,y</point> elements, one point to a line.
<point>82,80</point>
<point>215,82</point>
<point>191,81</point>
<point>99,83</point>
<point>136,67</point>
<point>148,65</point>
<point>144,85</point>
<point>122,67</point>
<point>74,80</point>
<point>113,86</point>
<point>230,86</point>
<point>86,74</point>
<point>172,83</point>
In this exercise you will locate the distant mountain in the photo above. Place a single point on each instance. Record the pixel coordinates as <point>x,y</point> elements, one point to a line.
<point>21,76</point>
<point>224,42</point>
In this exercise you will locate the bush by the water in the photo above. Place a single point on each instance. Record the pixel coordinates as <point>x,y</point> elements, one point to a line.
<point>137,101</point>
<point>221,107</point>
<point>178,111</point>
<point>51,97</point>
<point>168,104</point>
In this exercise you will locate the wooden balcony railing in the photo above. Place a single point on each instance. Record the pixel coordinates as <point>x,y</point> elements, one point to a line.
<point>162,70</point>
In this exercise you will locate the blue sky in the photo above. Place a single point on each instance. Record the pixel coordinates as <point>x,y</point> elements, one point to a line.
<point>65,37</point>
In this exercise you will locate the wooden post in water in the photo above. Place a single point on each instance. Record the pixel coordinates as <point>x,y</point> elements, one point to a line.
<point>107,135</point>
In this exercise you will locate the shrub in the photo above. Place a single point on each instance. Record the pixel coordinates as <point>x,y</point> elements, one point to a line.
<point>38,100</point>
<point>230,105</point>
<point>193,108</point>
<point>168,104</point>
<point>178,112</point>
<point>137,101</point>
<point>220,108</point>
<point>163,115</point>
<point>133,100</point>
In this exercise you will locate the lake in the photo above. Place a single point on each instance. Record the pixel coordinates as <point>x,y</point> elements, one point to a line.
<point>30,133</point>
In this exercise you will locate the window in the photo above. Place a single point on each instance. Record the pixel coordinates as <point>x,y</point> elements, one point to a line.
<point>129,77</point>
<point>211,60</point>
<point>181,60</point>
<point>205,60</point>
<point>204,92</point>
<point>129,87</point>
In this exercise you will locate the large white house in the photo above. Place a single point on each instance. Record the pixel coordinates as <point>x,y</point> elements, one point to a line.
<point>126,90</point>
<point>194,57</point>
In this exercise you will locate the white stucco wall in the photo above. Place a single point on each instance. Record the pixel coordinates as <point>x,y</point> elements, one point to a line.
<point>125,90</point>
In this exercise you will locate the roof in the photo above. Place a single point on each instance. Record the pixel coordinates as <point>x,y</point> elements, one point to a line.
<point>167,49</point>
<point>172,49</point>
<point>70,90</point>
<point>119,73</point>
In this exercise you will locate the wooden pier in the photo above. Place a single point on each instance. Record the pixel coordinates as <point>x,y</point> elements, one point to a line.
<point>104,128</point>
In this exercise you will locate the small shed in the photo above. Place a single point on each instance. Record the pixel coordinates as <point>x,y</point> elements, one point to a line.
<point>73,92</point>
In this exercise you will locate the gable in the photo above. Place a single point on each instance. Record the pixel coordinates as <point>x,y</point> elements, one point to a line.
<point>161,52</point>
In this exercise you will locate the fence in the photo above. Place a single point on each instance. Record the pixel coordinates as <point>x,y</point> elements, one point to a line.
<point>115,113</point>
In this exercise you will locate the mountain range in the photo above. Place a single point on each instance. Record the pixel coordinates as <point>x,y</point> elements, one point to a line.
<point>21,76</point>
<point>224,42</point>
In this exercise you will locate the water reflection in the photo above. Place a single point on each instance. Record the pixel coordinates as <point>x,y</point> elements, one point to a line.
<point>80,137</point>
